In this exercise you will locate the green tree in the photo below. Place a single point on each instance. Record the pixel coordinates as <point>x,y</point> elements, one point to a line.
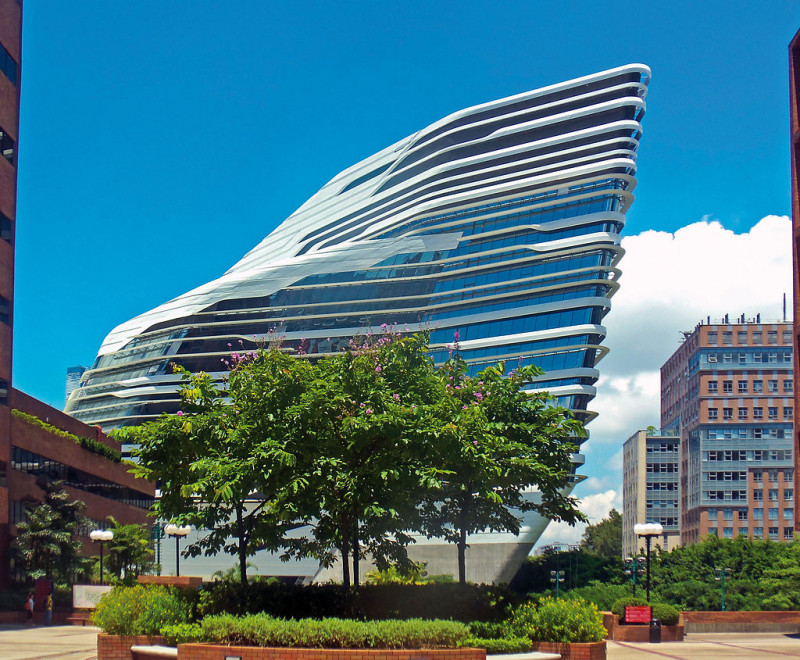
<point>605,537</point>
<point>493,441</point>
<point>368,469</point>
<point>47,542</point>
<point>225,457</point>
<point>129,552</point>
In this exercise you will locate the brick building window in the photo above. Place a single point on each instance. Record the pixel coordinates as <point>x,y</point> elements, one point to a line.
<point>788,494</point>
<point>773,494</point>
<point>8,65</point>
<point>787,336</point>
<point>758,413</point>
<point>7,146</point>
<point>773,533</point>
<point>742,387</point>
<point>743,531</point>
<point>727,337</point>
<point>788,386</point>
<point>758,496</point>
<point>712,337</point>
<point>772,412</point>
<point>713,413</point>
<point>788,533</point>
<point>758,532</point>
<point>5,228</point>
<point>742,413</point>
<point>788,413</point>
<point>772,337</point>
<point>727,413</point>
<point>757,337</point>
<point>772,385</point>
<point>742,336</point>
<point>727,386</point>
<point>712,387</point>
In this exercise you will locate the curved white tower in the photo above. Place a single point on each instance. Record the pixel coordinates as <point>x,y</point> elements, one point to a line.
<point>501,221</point>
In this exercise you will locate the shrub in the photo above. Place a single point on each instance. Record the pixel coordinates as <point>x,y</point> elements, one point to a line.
<point>486,630</point>
<point>386,601</point>
<point>618,608</point>
<point>263,630</point>
<point>501,645</point>
<point>182,633</point>
<point>666,614</point>
<point>602,595</point>
<point>140,610</point>
<point>558,620</point>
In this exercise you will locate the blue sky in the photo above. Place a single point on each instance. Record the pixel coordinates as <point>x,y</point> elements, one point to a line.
<point>161,141</point>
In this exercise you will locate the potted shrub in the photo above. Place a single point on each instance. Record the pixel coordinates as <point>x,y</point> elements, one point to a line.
<point>570,626</point>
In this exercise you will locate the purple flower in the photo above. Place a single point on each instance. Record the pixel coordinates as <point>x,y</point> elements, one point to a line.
<point>229,344</point>
<point>378,369</point>
<point>384,326</point>
<point>456,336</point>
<point>463,407</point>
<point>478,396</point>
<point>179,413</point>
<point>396,396</point>
<point>368,411</point>
<point>474,442</point>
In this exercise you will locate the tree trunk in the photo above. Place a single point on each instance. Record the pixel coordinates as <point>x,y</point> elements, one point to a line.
<point>356,553</point>
<point>462,556</point>
<point>345,550</point>
<point>242,546</point>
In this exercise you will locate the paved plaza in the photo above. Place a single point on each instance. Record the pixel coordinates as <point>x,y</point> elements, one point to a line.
<point>80,643</point>
<point>20,642</point>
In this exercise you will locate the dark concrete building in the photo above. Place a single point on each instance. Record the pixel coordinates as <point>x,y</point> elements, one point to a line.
<point>37,440</point>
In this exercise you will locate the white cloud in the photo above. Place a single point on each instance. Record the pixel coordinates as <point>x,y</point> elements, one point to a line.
<point>595,507</point>
<point>669,283</point>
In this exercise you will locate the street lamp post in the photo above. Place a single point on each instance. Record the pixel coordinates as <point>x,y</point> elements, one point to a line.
<point>178,531</point>
<point>721,574</point>
<point>101,536</point>
<point>648,531</point>
<point>557,577</point>
<point>635,568</point>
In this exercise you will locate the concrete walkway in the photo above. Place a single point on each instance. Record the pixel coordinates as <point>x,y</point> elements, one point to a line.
<point>705,646</point>
<point>21,642</point>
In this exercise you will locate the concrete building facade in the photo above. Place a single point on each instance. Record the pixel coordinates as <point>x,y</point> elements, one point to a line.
<point>650,464</point>
<point>728,393</point>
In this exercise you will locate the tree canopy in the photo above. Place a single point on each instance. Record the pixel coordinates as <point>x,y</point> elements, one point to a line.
<point>46,544</point>
<point>359,448</point>
<point>605,537</point>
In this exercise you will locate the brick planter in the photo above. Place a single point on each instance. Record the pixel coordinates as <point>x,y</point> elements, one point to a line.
<point>214,652</point>
<point>118,647</point>
<point>576,651</point>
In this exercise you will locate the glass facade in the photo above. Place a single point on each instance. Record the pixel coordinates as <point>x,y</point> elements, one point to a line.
<point>501,222</point>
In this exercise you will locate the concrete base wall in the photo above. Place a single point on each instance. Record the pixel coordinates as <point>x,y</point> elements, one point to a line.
<point>487,563</point>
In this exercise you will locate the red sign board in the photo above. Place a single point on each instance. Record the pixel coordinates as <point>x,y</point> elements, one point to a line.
<point>638,614</point>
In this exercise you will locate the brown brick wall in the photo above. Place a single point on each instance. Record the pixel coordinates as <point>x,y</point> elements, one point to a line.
<point>114,647</point>
<point>583,651</point>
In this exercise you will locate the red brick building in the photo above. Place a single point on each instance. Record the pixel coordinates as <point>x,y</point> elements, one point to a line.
<point>728,392</point>
<point>36,439</point>
<point>794,123</point>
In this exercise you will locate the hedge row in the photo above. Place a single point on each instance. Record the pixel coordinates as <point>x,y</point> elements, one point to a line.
<point>374,602</point>
<point>90,444</point>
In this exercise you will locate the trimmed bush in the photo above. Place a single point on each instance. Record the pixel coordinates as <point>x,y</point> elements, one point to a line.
<point>558,620</point>
<point>667,614</point>
<point>498,646</point>
<point>487,630</point>
<point>182,633</point>
<point>388,601</point>
<point>140,610</point>
<point>618,608</point>
<point>602,595</point>
<point>263,630</point>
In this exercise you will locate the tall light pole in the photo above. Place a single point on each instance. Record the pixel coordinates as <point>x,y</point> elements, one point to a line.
<point>178,532</point>
<point>634,568</point>
<point>721,574</point>
<point>101,536</point>
<point>557,577</point>
<point>648,531</point>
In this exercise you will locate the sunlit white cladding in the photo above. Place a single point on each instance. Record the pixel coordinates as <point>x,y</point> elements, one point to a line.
<point>501,221</point>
